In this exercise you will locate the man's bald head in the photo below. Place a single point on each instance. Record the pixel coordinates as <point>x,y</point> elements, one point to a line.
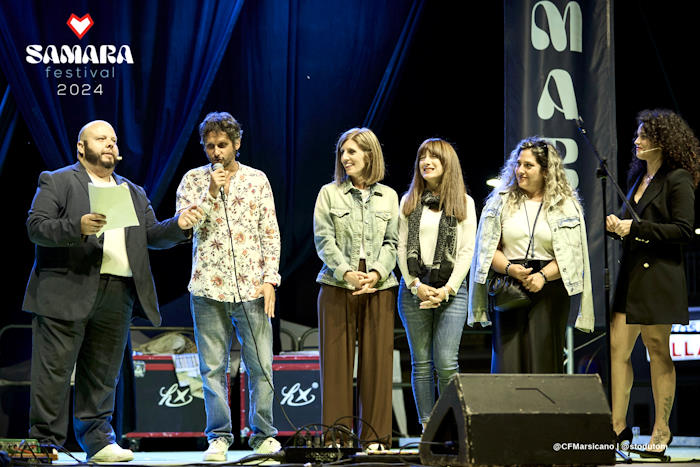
<point>97,145</point>
<point>89,125</point>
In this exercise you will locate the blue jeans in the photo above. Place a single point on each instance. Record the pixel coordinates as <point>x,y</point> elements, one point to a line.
<point>214,323</point>
<point>434,336</point>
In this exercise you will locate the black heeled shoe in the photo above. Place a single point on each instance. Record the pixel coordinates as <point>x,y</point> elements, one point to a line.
<point>625,435</point>
<point>624,439</point>
<point>655,454</point>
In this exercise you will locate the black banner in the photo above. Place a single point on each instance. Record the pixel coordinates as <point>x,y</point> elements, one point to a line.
<point>559,66</point>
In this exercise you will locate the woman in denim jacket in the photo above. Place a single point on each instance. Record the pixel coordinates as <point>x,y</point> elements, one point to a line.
<point>534,195</point>
<point>437,226</point>
<point>355,232</point>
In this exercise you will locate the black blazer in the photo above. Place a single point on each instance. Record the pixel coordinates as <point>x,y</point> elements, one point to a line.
<point>651,286</point>
<point>64,280</point>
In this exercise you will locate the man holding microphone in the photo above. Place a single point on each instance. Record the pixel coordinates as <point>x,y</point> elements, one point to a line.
<point>235,263</point>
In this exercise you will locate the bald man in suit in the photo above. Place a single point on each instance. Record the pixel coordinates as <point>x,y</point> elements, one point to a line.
<point>81,292</point>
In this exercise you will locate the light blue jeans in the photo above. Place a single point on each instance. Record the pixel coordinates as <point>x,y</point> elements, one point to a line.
<point>214,323</point>
<point>434,336</point>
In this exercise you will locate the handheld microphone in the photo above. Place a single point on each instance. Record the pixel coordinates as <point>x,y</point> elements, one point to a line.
<point>216,167</point>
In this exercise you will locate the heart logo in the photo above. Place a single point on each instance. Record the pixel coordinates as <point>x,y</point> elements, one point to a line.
<point>80,26</point>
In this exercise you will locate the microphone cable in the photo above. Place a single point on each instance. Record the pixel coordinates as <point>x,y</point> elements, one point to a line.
<point>245,312</point>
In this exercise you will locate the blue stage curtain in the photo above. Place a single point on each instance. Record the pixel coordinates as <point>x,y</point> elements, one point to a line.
<point>295,73</point>
<point>298,74</point>
<point>153,104</point>
<point>377,111</point>
<point>8,120</point>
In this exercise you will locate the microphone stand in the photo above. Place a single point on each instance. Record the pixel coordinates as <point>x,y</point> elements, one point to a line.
<point>603,173</point>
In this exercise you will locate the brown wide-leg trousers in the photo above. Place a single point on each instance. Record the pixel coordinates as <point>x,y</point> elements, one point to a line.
<point>344,318</point>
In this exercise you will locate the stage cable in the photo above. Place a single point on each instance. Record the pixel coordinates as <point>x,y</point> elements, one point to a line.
<point>245,312</point>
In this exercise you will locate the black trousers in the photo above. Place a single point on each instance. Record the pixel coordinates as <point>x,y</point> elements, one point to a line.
<point>95,346</point>
<point>531,340</point>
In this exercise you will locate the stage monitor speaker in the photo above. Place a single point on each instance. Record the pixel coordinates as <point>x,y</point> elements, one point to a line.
<point>483,419</point>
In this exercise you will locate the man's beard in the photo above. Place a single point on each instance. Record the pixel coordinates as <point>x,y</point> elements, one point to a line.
<point>96,159</point>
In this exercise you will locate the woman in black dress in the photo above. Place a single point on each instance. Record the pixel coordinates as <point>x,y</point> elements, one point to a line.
<point>651,292</point>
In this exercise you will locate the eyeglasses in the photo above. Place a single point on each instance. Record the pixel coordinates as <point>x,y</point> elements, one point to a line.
<point>542,145</point>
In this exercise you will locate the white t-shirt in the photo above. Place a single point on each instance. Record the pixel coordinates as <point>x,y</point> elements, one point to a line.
<point>114,258</point>
<point>516,229</point>
<point>365,196</point>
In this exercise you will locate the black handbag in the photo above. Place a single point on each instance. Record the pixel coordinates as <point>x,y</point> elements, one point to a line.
<point>506,292</point>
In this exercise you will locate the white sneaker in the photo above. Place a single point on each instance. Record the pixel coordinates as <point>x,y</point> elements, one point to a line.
<point>112,453</point>
<point>269,446</point>
<point>375,447</point>
<point>217,450</point>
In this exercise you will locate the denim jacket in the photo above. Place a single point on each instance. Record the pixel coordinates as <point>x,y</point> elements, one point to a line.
<point>341,219</point>
<point>570,250</point>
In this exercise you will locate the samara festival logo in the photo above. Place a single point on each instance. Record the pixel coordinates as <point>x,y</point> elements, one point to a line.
<point>80,26</point>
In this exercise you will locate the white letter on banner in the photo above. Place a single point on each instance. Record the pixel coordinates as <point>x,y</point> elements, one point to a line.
<point>572,177</point>
<point>569,155</point>
<point>565,89</point>
<point>557,27</point>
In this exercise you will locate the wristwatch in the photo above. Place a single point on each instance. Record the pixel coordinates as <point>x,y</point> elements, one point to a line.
<point>414,288</point>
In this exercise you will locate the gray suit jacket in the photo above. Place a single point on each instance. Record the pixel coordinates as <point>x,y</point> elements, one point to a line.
<point>64,280</point>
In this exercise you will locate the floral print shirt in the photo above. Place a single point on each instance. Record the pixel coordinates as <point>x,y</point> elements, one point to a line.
<point>254,233</point>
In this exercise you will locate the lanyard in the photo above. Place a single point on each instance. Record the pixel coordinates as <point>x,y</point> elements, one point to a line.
<point>531,232</point>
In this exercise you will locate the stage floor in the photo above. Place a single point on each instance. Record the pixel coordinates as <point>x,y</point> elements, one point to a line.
<point>680,456</point>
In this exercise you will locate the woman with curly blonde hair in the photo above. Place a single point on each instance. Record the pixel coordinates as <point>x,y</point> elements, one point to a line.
<point>651,292</point>
<point>532,229</point>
